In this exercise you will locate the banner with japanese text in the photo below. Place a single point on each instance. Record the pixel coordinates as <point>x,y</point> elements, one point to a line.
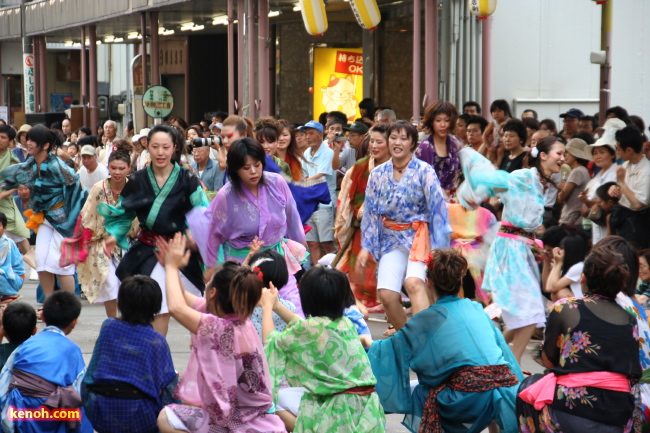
<point>338,81</point>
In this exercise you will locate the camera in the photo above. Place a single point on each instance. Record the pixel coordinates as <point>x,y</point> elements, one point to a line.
<point>200,142</point>
<point>339,136</point>
<point>217,139</point>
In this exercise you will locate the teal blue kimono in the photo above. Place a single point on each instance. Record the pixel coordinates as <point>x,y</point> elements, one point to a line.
<point>449,335</point>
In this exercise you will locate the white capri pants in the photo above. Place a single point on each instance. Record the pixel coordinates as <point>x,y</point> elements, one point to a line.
<point>111,286</point>
<point>395,267</point>
<point>158,274</point>
<point>48,251</point>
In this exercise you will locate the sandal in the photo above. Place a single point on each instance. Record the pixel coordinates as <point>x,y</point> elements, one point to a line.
<point>9,299</point>
<point>390,331</point>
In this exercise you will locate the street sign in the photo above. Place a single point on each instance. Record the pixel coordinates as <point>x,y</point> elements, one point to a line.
<point>158,101</point>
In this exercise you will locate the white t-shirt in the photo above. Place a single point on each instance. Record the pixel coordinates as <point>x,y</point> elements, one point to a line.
<point>90,179</point>
<point>637,177</point>
<point>574,273</point>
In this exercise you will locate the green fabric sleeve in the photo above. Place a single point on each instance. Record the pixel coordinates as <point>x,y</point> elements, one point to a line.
<point>118,221</point>
<point>199,198</point>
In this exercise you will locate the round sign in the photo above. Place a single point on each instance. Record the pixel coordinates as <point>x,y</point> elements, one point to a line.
<point>158,101</point>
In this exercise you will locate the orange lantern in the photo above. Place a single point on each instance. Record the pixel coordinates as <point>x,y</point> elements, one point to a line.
<point>482,8</point>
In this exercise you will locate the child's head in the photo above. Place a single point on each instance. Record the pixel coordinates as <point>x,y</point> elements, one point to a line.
<point>273,267</point>
<point>445,271</point>
<point>246,291</point>
<point>139,300</point>
<point>3,223</point>
<point>18,322</point>
<point>576,248</point>
<point>217,293</point>
<point>325,292</point>
<point>62,309</point>
<point>605,200</point>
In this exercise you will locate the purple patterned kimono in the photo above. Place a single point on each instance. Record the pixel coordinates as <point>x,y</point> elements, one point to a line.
<point>446,168</point>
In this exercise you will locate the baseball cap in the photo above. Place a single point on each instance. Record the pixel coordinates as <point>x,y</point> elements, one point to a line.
<point>312,124</point>
<point>573,112</point>
<point>88,149</point>
<point>358,127</point>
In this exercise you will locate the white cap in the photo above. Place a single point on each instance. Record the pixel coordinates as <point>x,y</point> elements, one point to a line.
<point>609,136</point>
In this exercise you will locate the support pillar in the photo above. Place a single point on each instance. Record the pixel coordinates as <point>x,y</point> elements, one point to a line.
<point>231,59</point>
<point>606,69</point>
<point>187,79</point>
<point>143,51</point>
<point>92,77</point>
<point>250,33</point>
<point>155,51</point>
<point>486,67</point>
<point>240,56</point>
<point>431,51</point>
<point>84,77</point>
<point>42,74</point>
<point>417,52</point>
<point>36,46</point>
<point>263,74</point>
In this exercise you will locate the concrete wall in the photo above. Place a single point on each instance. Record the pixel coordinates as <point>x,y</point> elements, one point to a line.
<point>541,51</point>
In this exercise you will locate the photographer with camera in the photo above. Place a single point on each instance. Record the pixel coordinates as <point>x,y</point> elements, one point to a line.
<point>345,149</point>
<point>207,169</point>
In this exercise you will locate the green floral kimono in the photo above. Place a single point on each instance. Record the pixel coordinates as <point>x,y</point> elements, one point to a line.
<point>326,357</point>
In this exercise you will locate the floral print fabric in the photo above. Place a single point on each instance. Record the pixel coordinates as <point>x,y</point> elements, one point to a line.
<point>326,357</point>
<point>590,334</point>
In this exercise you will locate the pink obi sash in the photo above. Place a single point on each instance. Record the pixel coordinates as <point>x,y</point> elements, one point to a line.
<point>541,393</point>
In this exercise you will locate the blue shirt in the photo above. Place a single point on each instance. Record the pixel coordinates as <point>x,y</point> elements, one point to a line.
<point>211,177</point>
<point>321,163</point>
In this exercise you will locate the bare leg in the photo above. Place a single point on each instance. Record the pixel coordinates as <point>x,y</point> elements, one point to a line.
<point>314,250</point>
<point>521,339</point>
<point>161,324</point>
<point>47,282</point>
<point>508,335</point>
<point>23,246</point>
<point>163,424</point>
<point>288,419</point>
<point>67,283</point>
<point>111,308</point>
<point>493,428</point>
<point>417,292</point>
<point>392,302</point>
<point>328,247</point>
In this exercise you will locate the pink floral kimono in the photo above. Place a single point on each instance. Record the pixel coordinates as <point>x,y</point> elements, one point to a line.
<point>226,387</point>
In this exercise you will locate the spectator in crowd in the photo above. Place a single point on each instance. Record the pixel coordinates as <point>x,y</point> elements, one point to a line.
<point>631,219</point>
<point>618,112</point>
<point>288,151</point>
<point>643,291</point>
<point>21,143</point>
<point>92,171</point>
<point>475,127</point>
<point>318,159</point>
<point>548,125</point>
<point>514,139</point>
<point>529,113</point>
<point>386,116</point>
<point>532,126</point>
<point>472,108</point>
<point>460,131</point>
<point>345,158</point>
<point>571,120</point>
<point>207,169</point>
<point>110,135</point>
<point>568,260</point>
<point>588,124</point>
<point>603,152</point>
<point>367,111</point>
<point>570,189</point>
<point>66,128</point>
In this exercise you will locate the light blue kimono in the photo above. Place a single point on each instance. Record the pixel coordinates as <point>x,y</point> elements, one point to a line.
<point>511,272</point>
<point>11,267</point>
<point>449,335</point>
<point>53,357</point>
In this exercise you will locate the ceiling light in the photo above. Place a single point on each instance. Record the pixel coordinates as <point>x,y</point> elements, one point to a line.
<point>109,39</point>
<point>195,28</point>
<point>187,26</point>
<point>98,42</point>
<point>168,32</point>
<point>297,8</point>
<point>68,43</point>
<point>274,13</point>
<point>117,40</point>
<point>133,35</point>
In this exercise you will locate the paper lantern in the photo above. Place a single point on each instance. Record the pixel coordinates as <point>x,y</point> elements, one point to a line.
<point>313,15</point>
<point>366,12</point>
<point>601,2</point>
<point>482,8</point>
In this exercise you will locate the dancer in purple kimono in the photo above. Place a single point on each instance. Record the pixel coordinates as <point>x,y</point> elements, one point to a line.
<point>254,204</point>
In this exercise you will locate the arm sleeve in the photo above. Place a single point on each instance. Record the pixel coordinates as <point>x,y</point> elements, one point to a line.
<point>295,230</point>
<point>118,221</point>
<point>370,224</point>
<point>481,178</point>
<point>217,215</point>
<point>389,360</point>
<point>276,358</point>
<point>439,228</point>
